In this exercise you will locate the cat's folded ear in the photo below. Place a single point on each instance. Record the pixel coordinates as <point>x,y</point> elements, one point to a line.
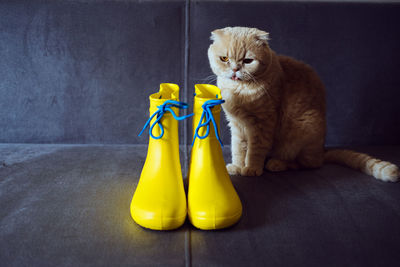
<point>262,36</point>
<point>216,34</point>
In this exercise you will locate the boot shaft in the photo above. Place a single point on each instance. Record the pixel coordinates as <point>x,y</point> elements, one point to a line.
<point>205,92</point>
<point>168,91</point>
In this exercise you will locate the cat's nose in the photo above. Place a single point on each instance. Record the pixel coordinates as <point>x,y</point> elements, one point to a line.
<point>235,69</point>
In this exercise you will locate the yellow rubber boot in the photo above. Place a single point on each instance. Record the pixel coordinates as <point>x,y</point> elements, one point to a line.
<point>159,202</point>
<point>212,200</point>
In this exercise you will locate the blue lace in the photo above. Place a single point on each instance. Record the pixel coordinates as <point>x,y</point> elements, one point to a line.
<point>207,113</point>
<point>166,106</point>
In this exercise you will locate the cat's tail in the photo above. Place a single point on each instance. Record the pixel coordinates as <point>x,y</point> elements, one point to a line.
<point>381,170</point>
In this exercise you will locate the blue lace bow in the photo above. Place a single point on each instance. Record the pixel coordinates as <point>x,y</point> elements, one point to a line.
<point>166,106</point>
<point>207,113</point>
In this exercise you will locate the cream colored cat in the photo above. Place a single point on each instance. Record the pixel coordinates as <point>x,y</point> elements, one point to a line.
<point>275,107</point>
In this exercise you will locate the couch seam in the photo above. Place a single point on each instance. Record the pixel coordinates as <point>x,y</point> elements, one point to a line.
<point>187,239</point>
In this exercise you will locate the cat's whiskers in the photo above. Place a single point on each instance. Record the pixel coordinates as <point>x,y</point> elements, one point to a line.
<point>258,83</point>
<point>266,90</point>
<point>209,79</point>
<point>251,77</point>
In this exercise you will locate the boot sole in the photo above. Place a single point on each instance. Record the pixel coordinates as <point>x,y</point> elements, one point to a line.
<point>207,223</point>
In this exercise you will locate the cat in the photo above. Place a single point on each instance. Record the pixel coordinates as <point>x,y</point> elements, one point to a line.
<point>275,107</point>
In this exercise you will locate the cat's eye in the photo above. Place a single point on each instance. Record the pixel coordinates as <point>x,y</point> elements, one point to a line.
<point>247,60</point>
<point>224,59</point>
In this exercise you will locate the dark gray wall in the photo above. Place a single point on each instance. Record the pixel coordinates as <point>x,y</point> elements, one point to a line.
<point>81,71</point>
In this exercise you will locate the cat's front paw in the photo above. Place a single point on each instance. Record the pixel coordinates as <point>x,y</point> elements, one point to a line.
<point>251,171</point>
<point>233,169</point>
